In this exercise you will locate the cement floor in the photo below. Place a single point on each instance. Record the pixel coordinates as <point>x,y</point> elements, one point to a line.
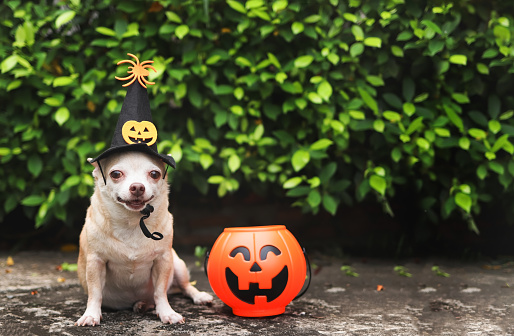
<point>38,299</point>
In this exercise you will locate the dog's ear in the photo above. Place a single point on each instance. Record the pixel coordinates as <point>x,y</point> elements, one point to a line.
<point>96,170</point>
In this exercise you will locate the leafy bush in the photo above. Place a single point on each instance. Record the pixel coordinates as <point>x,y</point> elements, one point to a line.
<point>327,102</point>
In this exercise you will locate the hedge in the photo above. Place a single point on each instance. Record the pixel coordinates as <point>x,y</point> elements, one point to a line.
<point>326,102</point>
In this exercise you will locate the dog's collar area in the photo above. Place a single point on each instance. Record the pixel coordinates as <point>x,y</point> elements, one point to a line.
<point>146,213</point>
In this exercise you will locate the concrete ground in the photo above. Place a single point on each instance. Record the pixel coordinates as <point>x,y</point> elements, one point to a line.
<point>38,299</point>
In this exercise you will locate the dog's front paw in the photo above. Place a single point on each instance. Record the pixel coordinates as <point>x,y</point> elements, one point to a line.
<point>168,315</point>
<point>88,320</point>
<point>202,298</point>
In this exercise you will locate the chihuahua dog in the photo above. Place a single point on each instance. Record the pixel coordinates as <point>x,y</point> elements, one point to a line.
<point>118,266</point>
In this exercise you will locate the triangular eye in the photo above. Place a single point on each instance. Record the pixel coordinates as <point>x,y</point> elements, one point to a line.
<point>268,248</point>
<point>132,129</point>
<point>146,130</point>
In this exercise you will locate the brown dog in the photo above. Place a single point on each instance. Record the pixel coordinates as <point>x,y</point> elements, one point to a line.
<point>118,266</point>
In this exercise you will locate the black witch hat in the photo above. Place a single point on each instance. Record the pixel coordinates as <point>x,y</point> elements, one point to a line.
<point>135,130</point>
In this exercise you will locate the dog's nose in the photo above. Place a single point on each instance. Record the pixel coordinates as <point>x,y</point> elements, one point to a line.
<point>137,189</point>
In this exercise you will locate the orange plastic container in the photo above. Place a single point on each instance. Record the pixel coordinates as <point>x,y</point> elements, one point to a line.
<point>256,270</point>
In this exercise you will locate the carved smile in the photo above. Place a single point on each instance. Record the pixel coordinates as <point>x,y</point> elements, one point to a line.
<point>278,286</point>
<point>140,140</point>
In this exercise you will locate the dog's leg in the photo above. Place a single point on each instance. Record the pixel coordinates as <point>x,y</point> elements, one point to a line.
<point>161,272</point>
<point>182,280</point>
<point>95,278</point>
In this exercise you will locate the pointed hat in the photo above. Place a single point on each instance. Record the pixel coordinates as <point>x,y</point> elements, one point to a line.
<point>135,130</point>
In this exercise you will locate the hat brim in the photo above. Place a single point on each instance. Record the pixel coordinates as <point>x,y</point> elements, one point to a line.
<point>168,159</point>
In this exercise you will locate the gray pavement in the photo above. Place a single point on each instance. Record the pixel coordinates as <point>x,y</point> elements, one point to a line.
<point>38,299</point>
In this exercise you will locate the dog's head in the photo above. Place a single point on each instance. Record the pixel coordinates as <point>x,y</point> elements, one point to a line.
<point>133,179</point>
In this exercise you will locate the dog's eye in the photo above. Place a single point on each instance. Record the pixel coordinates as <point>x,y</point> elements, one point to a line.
<point>116,174</point>
<point>155,174</point>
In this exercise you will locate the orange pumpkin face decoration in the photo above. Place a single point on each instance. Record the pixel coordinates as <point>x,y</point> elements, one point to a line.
<point>256,271</point>
<point>134,132</point>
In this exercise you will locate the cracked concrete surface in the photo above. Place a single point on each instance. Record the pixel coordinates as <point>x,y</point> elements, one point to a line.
<point>37,299</point>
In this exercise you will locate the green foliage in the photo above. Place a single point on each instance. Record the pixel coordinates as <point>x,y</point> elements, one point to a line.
<point>439,272</point>
<point>402,271</point>
<point>349,271</point>
<point>327,102</point>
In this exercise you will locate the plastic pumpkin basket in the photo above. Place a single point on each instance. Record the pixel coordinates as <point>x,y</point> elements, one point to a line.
<point>257,271</point>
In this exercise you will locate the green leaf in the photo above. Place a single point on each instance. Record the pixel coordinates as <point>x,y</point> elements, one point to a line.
<point>181,31</point>
<point>234,162</point>
<point>105,31</point>
<point>463,201</point>
<point>325,90</point>
<point>442,132</point>
<point>62,115</point>
<point>9,63</point>
<point>409,109</point>
<point>35,165</point>
<point>356,49</point>
<point>375,80</point>
<point>314,98</point>
<point>458,59</point>
<point>379,125</point>
<point>327,172</point>
<point>321,144</point>
<point>482,68</point>
<point>392,116</point>
<point>215,179</point>
<point>358,115</point>
<point>495,126</point>
<point>378,183</point>
<point>292,182</point>
<point>297,28</point>
<point>476,133</point>
<point>33,200</point>
<point>375,42</point>
<point>237,6</point>
<point>64,18</point>
<point>63,81</point>
<point>497,167</point>
<point>415,125</point>
<point>303,61</point>
<point>460,98</point>
<point>500,143</point>
<point>300,158</point>
<point>397,51</point>
<point>423,143</point>
<point>396,154</point>
<point>482,171</point>
<point>279,5</point>
<point>493,106</point>
<point>368,99</point>
<point>14,85</point>
<point>330,204</point>
<point>314,198</point>
<point>454,117</point>
<point>433,26</point>
<point>206,160</point>
<point>464,143</point>
<point>244,62</point>
<point>357,32</point>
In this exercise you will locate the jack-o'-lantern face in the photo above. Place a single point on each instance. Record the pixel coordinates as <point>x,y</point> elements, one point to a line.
<point>252,275</point>
<point>135,132</point>
<point>256,270</point>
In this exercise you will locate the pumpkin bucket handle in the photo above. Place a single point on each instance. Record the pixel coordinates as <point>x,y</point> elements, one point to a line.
<point>309,275</point>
